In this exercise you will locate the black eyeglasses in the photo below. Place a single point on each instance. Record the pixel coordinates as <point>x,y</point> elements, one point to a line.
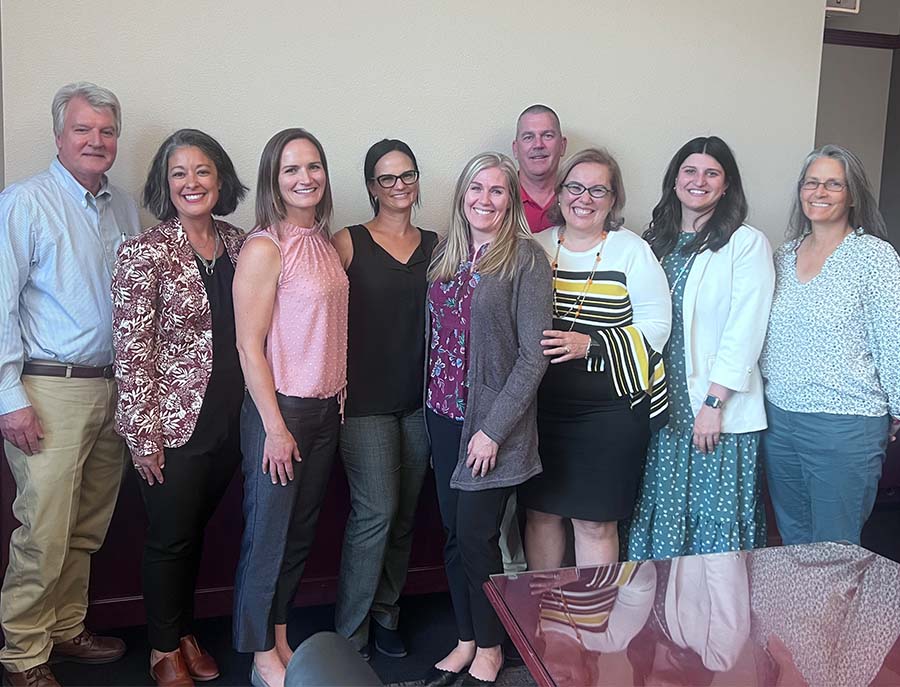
<point>390,180</point>
<point>577,189</point>
<point>829,184</point>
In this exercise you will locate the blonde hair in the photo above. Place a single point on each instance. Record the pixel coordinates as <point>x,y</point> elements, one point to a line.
<point>502,255</point>
<point>598,156</point>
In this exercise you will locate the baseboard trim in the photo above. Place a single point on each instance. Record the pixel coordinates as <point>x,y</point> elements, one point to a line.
<point>127,611</point>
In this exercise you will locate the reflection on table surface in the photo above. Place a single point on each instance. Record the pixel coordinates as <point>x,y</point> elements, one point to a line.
<point>821,614</point>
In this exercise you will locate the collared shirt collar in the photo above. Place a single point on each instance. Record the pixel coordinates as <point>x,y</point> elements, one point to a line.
<point>535,215</point>
<point>528,199</point>
<point>72,186</point>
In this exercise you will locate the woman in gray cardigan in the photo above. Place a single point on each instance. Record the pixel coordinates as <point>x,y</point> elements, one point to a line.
<point>489,300</point>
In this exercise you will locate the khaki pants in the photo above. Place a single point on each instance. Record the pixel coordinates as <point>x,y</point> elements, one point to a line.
<point>65,497</point>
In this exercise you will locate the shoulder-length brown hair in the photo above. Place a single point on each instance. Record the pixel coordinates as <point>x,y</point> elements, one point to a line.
<point>156,196</point>
<point>501,256</point>
<point>270,208</point>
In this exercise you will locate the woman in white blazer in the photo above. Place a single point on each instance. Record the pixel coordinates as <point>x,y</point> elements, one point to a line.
<point>701,490</point>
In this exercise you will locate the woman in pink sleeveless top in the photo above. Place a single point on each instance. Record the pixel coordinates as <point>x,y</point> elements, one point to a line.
<point>290,299</point>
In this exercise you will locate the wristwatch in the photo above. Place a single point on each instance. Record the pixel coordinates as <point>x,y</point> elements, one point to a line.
<point>714,401</point>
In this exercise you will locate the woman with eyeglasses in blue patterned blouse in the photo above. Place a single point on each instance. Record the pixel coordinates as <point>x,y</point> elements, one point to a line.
<point>832,356</point>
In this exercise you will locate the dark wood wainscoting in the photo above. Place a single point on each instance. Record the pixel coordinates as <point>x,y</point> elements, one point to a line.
<point>116,578</point>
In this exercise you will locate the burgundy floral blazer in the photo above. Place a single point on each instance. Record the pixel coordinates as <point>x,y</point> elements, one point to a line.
<point>162,335</point>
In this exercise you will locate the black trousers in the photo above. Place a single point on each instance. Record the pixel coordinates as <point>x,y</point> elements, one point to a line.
<point>471,522</point>
<point>178,510</point>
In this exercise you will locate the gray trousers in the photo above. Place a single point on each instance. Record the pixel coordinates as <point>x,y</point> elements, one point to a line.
<point>279,521</point>
<point>385,458</point>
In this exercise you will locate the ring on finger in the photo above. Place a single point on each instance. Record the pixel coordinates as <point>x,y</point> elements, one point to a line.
<point>568,350</point>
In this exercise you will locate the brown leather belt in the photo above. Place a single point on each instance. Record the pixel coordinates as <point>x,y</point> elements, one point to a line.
<point>80,371</point>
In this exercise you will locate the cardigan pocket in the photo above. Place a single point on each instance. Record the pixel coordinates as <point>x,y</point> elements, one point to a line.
<point>484,399</point>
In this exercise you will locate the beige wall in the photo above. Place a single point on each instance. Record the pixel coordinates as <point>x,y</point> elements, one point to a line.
<point>853,100</point>
<point>640,76</point>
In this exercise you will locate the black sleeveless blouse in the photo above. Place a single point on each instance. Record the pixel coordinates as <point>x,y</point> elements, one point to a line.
<point>386,321</point>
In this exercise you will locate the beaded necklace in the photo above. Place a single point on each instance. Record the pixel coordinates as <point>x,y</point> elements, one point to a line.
<point>572,623</point>
<point>579,300</point>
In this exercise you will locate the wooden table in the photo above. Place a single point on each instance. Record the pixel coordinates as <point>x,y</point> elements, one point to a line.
<point>821,614</point>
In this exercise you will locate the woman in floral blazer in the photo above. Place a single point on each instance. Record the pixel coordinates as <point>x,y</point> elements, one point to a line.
<point>180,381</point>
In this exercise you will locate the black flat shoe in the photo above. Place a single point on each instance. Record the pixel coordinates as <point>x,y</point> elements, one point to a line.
<point>438,677</point>
<point>388,642</point>
<point>471,681</point>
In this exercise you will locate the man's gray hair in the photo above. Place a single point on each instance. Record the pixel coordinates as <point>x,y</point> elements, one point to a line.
<point>97,96</point>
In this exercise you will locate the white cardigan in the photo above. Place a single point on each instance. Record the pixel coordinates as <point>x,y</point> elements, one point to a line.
<point>727,298</point>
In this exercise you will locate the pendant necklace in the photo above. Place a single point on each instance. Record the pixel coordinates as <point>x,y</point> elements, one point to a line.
<point>684,270</point>
<point>209,265</point>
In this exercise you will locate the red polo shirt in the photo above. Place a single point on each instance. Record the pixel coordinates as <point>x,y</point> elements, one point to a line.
<point>534,213</point>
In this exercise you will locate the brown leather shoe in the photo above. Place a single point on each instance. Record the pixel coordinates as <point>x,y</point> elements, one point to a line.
<point>89,648</point>
<point>200,664</point>
<point>39,676</point>
<point>171,671</point>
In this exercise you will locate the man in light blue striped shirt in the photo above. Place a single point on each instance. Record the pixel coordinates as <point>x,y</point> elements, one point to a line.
<point>59,232</point>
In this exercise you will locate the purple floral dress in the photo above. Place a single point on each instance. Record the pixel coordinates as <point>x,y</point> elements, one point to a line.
<point>450,305</point>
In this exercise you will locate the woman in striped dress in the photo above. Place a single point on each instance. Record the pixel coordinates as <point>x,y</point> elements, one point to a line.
<point>606,384</point>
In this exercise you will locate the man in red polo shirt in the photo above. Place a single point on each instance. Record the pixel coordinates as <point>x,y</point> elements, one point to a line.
<point>538,147</point>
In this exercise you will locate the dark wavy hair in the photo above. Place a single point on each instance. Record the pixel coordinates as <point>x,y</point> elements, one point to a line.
<point>156,189</point>
<point>729,213</point>
<point>378,151</point>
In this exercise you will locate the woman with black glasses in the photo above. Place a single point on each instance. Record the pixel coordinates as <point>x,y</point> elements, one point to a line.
<point>383,442</point>
<point>605,386</point>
